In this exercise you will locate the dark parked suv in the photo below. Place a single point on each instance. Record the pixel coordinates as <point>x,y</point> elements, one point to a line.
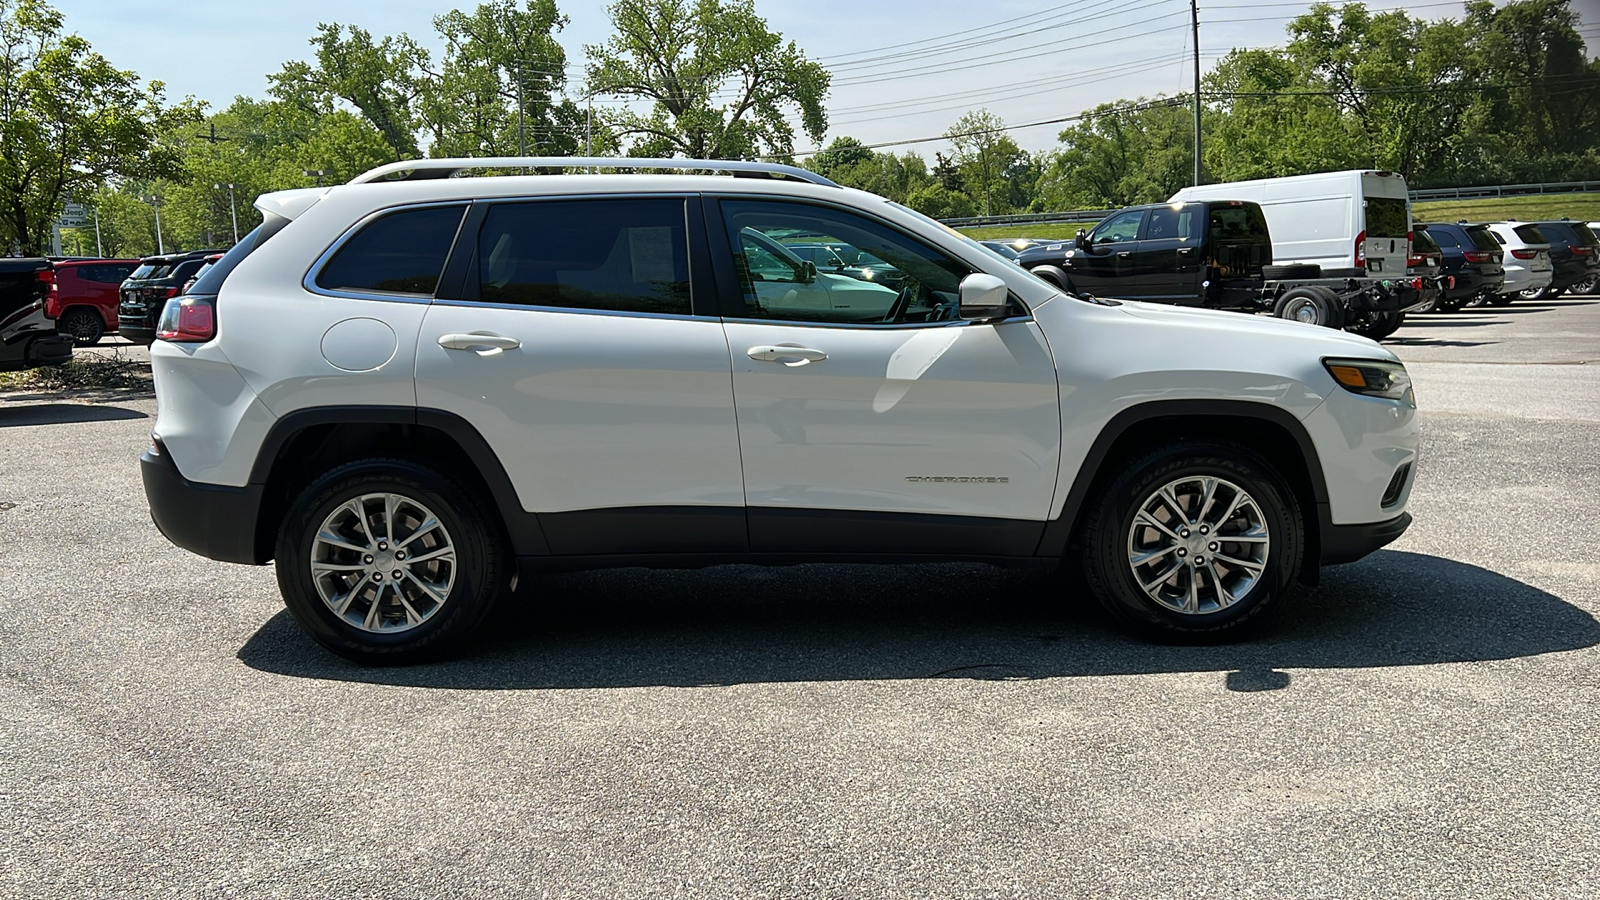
<point>158,279</point>
<point>1470,263</point>
<point>1574,255</point>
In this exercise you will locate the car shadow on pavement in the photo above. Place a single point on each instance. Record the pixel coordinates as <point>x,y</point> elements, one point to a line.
<point>743,624</point>
<point>64,414</point>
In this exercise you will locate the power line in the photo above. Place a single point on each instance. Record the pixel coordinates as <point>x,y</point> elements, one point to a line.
<point>964,33</point>
<point>986,93</point>
<point>923,70</point>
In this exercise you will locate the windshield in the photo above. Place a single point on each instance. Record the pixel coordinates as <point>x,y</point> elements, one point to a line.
<point>946,229</point>
<point>1387,217</point>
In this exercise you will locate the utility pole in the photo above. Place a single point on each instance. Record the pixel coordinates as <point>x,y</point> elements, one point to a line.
<point>99,246</point>
<point>1194,19</point>
<point>155,201</point>
<point>233,208</point>
<point>522,128</point>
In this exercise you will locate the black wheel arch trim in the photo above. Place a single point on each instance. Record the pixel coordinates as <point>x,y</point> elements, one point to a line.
<point>527,537</point>
<point>1058,533</point>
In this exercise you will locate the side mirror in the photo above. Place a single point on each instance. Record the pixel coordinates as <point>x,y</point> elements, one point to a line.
<point>983,296</point>
<point>1082,240</point>
<point>808,272</point>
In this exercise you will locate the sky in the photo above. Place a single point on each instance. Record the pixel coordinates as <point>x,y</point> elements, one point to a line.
<point>898,75</point>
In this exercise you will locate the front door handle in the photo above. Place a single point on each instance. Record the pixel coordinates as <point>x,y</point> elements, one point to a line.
<point>1124,254</point>
<point>479,341</point>
<point>788,354</point>
<point>1185,251</point>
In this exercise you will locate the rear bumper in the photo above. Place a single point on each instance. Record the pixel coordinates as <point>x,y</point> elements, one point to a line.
<point>136,330</point>
<point>212,520</point>
<point>1348,543</point>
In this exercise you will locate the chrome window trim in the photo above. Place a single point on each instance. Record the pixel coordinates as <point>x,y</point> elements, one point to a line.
<point>309,280</point>
<point>628,314</point>
<point>877,326</point>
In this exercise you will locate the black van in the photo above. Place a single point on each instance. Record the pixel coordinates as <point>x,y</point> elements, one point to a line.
<point>147,290</point>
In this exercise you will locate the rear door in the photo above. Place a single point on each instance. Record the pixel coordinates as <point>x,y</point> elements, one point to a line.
<point>1388,225</point>
<point>571,342</point>
<point>915,432</point>
<point>1166,263</point>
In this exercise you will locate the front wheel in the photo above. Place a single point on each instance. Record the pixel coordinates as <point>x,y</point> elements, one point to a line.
<point>387,562</point>
<point>1193,542</point>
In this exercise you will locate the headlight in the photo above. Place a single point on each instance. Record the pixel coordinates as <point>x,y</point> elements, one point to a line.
<point>1373,378</point>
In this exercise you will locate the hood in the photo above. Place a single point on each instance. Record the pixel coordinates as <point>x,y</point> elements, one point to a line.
<point>1331,342</point>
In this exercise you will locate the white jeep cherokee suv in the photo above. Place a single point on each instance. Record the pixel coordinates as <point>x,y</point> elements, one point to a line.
<point>408,391</point>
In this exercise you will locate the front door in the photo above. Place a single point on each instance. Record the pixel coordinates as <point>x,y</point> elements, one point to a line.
<point>1106,267</point>
<point>1167,262</point>
<point>912,431</point>
<point>573,347</point>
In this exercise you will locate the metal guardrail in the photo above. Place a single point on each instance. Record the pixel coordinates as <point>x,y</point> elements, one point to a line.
<point>1457,193</point>
<point>1505,190</point>
<point>1050,218</point>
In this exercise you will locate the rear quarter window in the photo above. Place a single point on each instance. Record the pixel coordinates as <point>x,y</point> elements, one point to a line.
<point>1531,234</point>
<point>402,252</point>
<point>1482,239</point>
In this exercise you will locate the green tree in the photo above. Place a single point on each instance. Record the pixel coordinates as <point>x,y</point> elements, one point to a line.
<point>500,60</point>
<point>378,78</point>
<point>681,56</point>
<point>1121,154</point>
<point>984,155</point>
<point>69,120</point>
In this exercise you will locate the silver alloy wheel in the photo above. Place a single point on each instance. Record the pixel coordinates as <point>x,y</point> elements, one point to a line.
<point>383,563</point>
<point>1303,309</point>
<point>1198,545</point>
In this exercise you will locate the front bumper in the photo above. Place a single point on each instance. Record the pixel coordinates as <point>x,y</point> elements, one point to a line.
<point>214,521</point>
<point>1348,543</point>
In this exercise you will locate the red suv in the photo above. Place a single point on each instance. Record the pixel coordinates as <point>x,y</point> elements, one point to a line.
<point>83,299</point>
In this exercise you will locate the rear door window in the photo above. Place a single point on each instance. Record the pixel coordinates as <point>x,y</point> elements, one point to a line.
<point>620,255</point>
<point>1387,218</point>
<point>401,253</point>
<point>1482,239</point>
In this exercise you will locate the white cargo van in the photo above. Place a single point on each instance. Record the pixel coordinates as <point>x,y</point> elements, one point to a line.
<point>1354,224</point>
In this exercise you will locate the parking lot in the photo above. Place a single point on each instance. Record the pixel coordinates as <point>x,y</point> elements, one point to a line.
<point>1420,724</point>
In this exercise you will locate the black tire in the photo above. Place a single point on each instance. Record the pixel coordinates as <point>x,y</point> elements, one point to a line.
<point>1296,272</point>
<point>85,326</point>
<point>481,570</point>
<point>1450,305</point>
<point>1378,325</point>
<point>1056,275</point>
<point>1109,537</point>
<point>1536,294</point>
<point>1311,304</point>
<point>1499,299</point>
<point>1585,287</point>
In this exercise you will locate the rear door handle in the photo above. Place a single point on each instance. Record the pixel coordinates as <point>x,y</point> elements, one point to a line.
<point>788,354</point>
<point>481,342</point>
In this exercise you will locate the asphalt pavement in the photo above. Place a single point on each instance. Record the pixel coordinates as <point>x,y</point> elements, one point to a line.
<point>1422,724</point>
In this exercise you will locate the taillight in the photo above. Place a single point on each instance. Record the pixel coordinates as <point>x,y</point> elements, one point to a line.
<point>1477,256</point>
<point>1525,254</point>
<point>188,320</point>
<point>1413,260</point>
<point>1361,250</point>
<point>171,292</point>
<point>1582,251</point>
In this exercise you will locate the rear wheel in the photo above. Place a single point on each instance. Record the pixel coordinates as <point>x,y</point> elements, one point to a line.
<point>85,326</point>
<point>1540,293</point>
<point>1585,287</point>
<point>1311,304</point>
<point>1378,325</point>
<point>387,562</point>
<point>1193,541</point>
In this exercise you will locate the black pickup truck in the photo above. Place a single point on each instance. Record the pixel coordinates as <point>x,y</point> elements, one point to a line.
<point>1215,254</point>
<point>28,336</point>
